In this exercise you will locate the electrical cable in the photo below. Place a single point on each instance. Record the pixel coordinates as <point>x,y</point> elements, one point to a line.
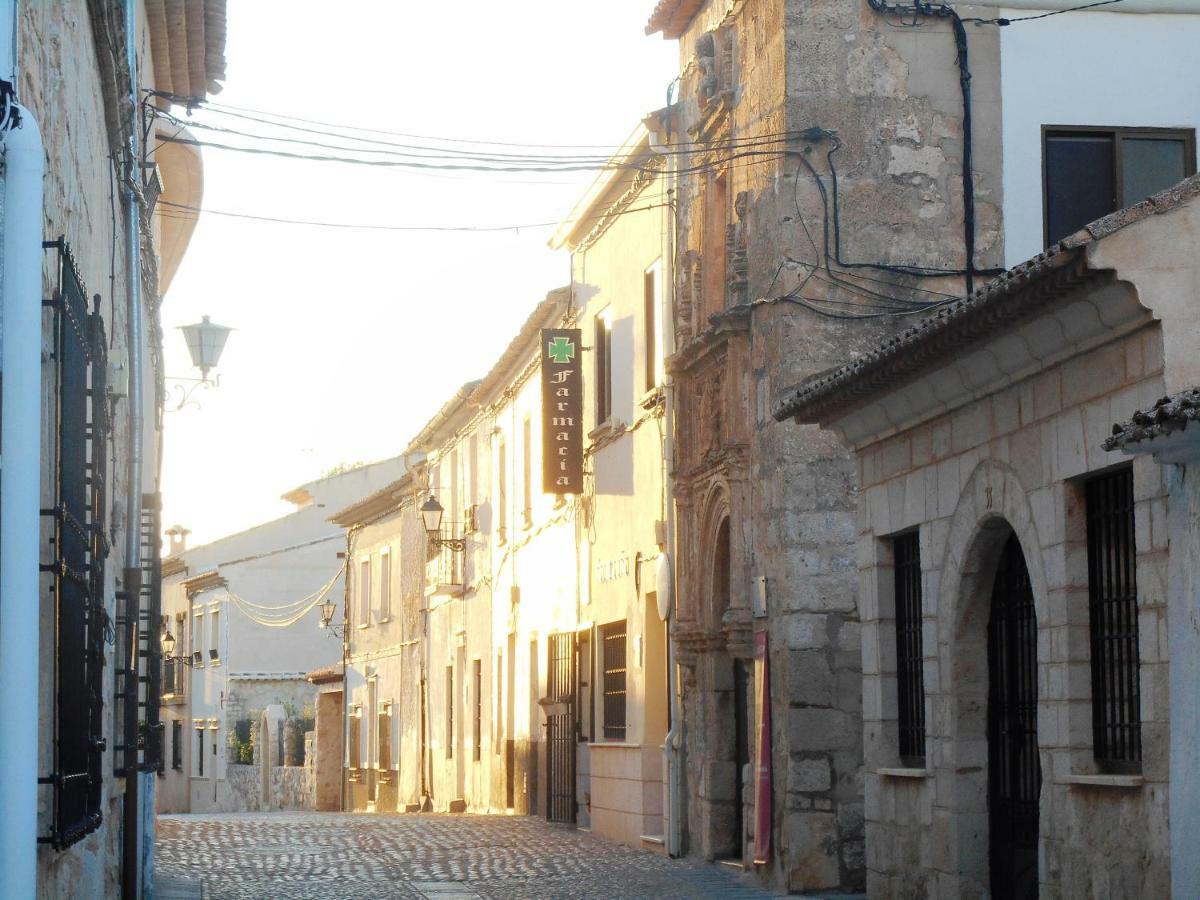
<point>1058,12</point>
<point>182,208</point>
<point>428,152</point>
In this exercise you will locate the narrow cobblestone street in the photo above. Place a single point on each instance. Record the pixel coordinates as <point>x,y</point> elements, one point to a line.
<point>332,855</point>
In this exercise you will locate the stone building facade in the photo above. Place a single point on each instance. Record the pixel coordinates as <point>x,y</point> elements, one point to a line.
<point>831,186</point>
<point>1015,576</point>
<point>78,794</point>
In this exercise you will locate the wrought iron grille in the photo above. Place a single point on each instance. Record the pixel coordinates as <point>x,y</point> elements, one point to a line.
<point>909,651</point>
<point>1014,770</point>
<point>613,639</point>
<point>560,727</point>
<point>176,745</point>
<point>78,548</point>
<point>149,653</point>
<point>1112,590</point>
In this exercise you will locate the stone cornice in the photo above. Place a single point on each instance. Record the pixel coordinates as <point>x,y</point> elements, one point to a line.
<point>723,327</point>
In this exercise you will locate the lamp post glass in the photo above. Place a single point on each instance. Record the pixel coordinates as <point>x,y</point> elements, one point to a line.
<point>431,515</point>
<point>205,341</point>
<point>168,644</point>
<point>327,609</point>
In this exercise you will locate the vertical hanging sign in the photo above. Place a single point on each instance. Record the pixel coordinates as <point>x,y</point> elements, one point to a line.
<point>562,412</point>
<point>762,756</point>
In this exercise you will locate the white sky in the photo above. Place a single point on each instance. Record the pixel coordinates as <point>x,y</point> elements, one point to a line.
<point>348,340</point>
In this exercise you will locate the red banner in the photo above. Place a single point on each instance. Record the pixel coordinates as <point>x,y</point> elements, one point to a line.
<point>762,756</point>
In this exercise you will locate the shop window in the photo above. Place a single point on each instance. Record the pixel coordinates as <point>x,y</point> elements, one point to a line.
<point>615,663</point>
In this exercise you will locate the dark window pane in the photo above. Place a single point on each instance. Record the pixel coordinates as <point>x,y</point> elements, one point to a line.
<point>1079,182</point>
<point>1150,165</point>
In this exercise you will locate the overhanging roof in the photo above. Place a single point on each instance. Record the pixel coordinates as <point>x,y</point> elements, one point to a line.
<point>961,324</point>
<point>672,17</point>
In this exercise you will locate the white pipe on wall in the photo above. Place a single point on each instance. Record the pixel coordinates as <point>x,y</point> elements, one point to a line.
<point>20,484</point>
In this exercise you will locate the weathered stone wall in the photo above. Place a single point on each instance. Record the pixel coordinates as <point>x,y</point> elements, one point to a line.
<point>292,787</point>
<point>886,107</point>
<point>59,82</point>
<point>1012,459</point>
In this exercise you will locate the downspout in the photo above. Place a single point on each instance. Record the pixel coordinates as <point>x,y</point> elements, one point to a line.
<point>674,747</point>
<point>131,581</point>
<point>20,475</point>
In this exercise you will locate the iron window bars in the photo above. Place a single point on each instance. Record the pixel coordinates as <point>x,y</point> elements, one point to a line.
<point>613,638</point>
<point>1112,607</point>
<point>78,548</point>
<point>909,651</point>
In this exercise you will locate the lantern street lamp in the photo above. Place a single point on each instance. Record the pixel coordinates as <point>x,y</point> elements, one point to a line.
<point>168,645</point>
<point>205,340</point>
<point>327,610</point>
<point>431,516</point>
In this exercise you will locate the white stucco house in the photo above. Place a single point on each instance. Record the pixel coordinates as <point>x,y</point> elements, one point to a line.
<point>244,624</point>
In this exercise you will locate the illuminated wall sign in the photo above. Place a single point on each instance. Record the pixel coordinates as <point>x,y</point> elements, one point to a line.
<point>562,411</point>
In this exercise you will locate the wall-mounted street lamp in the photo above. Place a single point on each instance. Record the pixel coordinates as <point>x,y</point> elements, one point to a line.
<point>205,340</point>
<point>327,610</point>
<point>431,516</point>
<point>168,650</point>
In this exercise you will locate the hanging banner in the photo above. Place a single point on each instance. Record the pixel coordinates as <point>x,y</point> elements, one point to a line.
<point>562,412</point>
<point>762,756</point>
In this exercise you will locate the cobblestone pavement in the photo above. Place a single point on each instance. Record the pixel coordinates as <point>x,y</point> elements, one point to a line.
<point>334,855</point>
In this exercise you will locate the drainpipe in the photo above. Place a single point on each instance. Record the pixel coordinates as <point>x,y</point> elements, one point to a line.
<point>20,477</point>
<point>131,580</point>
<point>674,748</point>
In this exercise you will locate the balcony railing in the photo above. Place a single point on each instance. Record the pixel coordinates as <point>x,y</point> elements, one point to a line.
<point>444,570</point>
<point>174,680</point>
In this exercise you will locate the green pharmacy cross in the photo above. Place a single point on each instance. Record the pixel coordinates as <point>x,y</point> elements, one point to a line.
<point>561,350</point>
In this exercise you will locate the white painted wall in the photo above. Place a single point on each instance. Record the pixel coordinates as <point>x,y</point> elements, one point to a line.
<point>1093,68</point>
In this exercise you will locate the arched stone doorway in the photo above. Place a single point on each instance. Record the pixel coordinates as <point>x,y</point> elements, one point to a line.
<point>729,727</point>
<point>998,776</point>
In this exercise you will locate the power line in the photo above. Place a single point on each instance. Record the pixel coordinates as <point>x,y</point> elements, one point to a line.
<point>191,213</point>
<point>426,151</point>
<point>1045,15</point>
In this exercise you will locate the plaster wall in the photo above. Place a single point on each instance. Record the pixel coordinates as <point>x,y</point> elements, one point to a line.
<point>1014,459</point>
<point>1184,648</point>
<point>620,785</point>
<point>1053,52</point>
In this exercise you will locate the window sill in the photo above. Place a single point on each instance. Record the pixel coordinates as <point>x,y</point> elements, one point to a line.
<point>651,398</point>
<point>362,625</point>
<point>902,772</point>
<point>215,664</point>
<point>616,745</point>
<point>383,621</point>
<point>1106,781</point>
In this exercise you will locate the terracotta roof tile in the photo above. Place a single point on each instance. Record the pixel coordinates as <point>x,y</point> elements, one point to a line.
<point>1170,414</point>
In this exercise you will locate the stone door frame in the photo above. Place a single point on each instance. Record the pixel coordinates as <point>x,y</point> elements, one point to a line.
<point>992,505</point>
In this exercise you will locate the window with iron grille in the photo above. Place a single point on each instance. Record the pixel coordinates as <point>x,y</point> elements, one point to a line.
<point>477,727</point>
<point>613,638</point>
<point>75,563</point>
<point>910,683</point>
<point>1112,607</point>
<point>177,745</point>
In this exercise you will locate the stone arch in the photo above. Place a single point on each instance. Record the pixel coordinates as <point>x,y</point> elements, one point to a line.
<point>992,506</point>
<point>716,549</point>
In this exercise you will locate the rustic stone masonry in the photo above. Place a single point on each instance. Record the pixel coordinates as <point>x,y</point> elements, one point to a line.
<point>981,427</point>
<point>778,89</point>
